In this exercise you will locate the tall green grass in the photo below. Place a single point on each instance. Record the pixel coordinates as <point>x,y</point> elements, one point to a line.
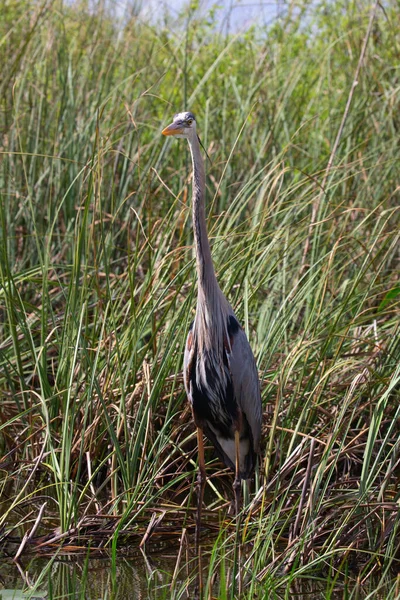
<point>98,283</point>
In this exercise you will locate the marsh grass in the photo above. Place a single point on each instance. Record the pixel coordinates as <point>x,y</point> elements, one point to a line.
<point>98,288</point>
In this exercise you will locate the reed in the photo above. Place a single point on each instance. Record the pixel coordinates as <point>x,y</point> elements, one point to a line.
<point>97,287</point>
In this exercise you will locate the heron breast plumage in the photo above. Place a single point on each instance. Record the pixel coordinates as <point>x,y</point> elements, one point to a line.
<point>211,391</point>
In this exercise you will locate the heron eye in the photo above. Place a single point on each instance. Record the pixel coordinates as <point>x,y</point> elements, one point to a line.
<point>189,121</point>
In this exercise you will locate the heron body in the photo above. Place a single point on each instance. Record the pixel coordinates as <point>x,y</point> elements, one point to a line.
<point>220,372</point>
<point>215,393</point>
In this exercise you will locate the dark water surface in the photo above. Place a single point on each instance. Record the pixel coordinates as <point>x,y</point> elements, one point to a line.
<point>94,578</point>
<point>137,577</point>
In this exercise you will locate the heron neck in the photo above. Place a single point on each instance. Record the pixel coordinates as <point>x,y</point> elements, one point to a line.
<point>207,282</point>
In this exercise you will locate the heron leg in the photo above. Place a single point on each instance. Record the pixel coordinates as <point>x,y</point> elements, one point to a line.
<point>237,482</point>
<point>201,482</point>
<point>237,486</point>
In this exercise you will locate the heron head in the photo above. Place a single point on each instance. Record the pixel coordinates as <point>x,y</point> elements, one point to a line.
<point>183,125</point>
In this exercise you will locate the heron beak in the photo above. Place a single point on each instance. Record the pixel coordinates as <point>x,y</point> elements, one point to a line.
<point>173,129</point>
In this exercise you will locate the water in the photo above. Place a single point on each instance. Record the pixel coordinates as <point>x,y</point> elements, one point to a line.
<point>130,577</point>
<point>69,577</point>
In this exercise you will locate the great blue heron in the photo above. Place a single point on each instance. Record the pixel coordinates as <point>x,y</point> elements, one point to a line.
<point>220,372</point>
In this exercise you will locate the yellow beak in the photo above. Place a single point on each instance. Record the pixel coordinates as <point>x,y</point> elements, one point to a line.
<point>173,129</point>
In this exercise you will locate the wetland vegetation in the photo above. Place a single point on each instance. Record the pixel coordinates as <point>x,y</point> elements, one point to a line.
<point>97,288</point>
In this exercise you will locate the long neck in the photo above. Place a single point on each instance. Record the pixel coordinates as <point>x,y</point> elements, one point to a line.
<point>205,267</point>
<point>211,303</point>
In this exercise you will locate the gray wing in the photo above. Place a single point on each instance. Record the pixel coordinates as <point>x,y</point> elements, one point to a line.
<point>246,383</point>
<point>187,360</point>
